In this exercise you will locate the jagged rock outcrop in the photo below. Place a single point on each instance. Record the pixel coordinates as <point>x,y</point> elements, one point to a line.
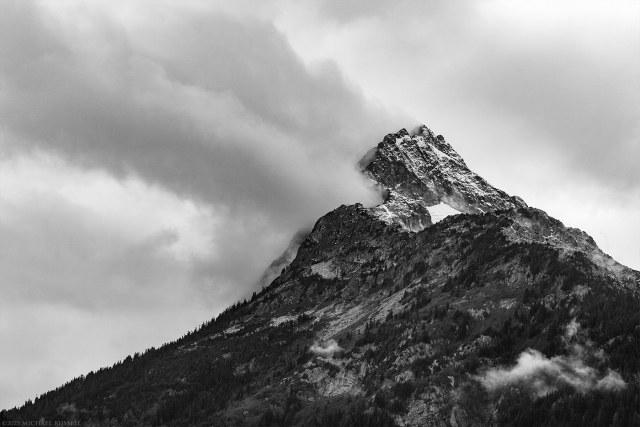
<point>424,170</point>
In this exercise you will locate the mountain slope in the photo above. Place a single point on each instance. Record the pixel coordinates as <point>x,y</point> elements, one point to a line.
<point>500,315</point>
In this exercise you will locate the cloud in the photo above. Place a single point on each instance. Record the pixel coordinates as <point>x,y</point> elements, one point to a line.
<point>571,329</point>
<point>224,111</point>
<point>289,254</point>
<point>214,108</point>
<point>612,381</point>
<point>544,375</point>
<point>347,12</point>
<point>93,269</point>
<point>325,349</point>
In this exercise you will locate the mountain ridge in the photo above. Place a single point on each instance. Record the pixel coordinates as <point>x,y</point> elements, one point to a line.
<point>384,317</point>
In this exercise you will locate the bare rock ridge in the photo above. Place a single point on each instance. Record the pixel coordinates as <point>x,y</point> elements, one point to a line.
<point>422,170</point>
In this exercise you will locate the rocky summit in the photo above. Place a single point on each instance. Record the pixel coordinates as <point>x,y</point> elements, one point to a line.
<point>449,304</point>
<point>423,170</point>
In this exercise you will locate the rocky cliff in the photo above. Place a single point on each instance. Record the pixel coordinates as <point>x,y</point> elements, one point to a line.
<point>423,170</point>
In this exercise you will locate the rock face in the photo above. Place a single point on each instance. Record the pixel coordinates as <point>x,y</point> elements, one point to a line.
<point>427,323</point>
<point>424,170</point>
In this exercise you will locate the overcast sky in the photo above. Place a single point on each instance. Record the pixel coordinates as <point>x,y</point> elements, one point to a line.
<point>156,156</point>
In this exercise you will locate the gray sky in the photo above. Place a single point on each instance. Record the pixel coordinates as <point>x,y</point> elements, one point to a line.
<point>156,156</point>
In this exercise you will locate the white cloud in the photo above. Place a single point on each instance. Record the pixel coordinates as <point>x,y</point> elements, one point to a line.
<point>130,208</point>
<point>543,375</point>
<point>571,329</point>
<point>325,349</point>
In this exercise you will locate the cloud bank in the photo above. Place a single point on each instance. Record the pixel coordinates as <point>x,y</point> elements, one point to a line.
<point>216,109</point>
<point>545,375</point>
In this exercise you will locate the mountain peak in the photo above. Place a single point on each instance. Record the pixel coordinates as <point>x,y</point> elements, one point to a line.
<point>419,170</point>
<point>372,323</point>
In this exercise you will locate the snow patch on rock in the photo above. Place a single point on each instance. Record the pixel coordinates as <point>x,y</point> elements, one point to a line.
<point>441,211</point>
